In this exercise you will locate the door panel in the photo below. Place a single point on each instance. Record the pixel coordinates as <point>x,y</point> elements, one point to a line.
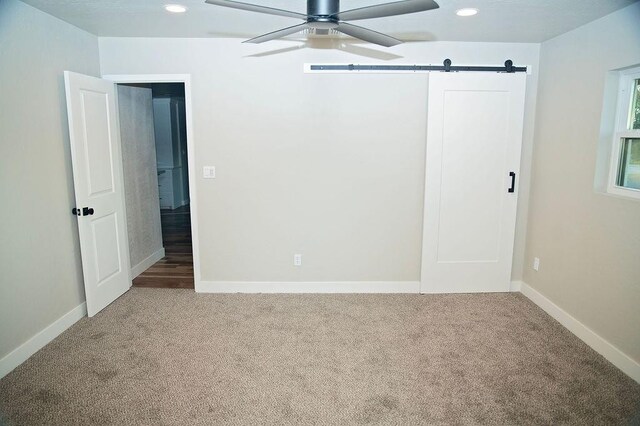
<point>474,134</point>
<point>108,257</point>
<point>98,182</point>
<point>96,129</point>
<point>470,180</point>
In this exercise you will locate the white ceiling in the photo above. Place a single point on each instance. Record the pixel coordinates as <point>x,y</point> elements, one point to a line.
<point>497,21</point>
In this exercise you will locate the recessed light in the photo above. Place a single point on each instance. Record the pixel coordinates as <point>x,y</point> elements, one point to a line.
<point>467,11</point>
<point>175,8</point>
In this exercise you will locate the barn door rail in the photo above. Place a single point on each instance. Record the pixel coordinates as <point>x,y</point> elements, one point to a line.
<point>445,67</point>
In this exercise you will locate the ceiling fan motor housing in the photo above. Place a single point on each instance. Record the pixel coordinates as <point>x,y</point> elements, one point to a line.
<point>319,13</point>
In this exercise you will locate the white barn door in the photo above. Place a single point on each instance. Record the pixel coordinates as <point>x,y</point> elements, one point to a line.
<point>98,182</point>
<point>474,137</point>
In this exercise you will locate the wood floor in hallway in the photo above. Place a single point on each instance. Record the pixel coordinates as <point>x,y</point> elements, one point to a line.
<point>175,269</point>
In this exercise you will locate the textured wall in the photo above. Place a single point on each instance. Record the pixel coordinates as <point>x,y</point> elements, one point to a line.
<point>327,165</point>
<point>588,242</point>
<point>40,268</point>
<point>140,172</point>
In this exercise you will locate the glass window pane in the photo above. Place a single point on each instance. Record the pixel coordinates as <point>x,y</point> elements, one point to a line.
<point>629,169</point>
<point>634,114</point>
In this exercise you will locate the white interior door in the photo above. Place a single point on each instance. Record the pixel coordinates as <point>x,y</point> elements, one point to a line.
<point>98,181</point>
<point>474,137</point>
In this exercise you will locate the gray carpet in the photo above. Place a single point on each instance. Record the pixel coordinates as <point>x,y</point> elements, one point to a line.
<point>169,357</point>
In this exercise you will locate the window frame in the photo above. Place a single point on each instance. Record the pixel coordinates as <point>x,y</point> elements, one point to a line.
<point>621,131</point>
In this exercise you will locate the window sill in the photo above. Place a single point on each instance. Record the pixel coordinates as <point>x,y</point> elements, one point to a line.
<point>618,192</point>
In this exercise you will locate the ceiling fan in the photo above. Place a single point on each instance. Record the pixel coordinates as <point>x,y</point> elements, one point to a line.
<point>325,15</point>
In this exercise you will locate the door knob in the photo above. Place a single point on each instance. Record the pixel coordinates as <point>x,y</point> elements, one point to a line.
<point>86,211</point>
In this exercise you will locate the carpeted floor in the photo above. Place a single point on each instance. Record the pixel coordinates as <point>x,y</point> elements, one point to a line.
<point>169,357</point>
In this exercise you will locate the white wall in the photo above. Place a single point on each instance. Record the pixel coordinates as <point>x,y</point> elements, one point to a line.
<point>588,242</point>
<point>40,269</point>
<point>327,165</point>
<point>135,109</point>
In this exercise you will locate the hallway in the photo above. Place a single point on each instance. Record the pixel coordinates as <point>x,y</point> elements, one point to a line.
<point>175,269</point>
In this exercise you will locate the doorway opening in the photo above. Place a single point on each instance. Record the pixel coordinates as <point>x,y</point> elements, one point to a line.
<point>153,127</point>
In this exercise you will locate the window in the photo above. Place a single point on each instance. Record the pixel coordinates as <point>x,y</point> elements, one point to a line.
<point>629,167</point>
<point>624,175</point>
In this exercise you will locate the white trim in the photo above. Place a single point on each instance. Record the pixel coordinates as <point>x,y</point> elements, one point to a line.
<point>37,342</point>
<point>516,286</point>
<point>309,287</point>
<point>584,333</point>
<point>147,263</point>
<point>193,199</point>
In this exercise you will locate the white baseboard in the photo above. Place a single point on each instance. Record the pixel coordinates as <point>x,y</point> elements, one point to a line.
<point>308,287</point>
<point>596,342</point>
<point>515,285</point>
<point>37,342</point>
<point>146,263</point>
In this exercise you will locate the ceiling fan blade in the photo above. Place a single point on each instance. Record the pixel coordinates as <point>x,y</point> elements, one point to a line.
<point>387,9</point>
<point>367,35</point>
<point>277,34</point>
<point>256,8</point>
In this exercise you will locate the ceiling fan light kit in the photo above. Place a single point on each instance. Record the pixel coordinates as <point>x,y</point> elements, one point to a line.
<point>324,16</point>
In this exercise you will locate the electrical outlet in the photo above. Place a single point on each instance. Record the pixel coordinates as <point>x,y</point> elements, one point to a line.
<point>297,260</point>
<point>536,263</point>
<point>209,172</point>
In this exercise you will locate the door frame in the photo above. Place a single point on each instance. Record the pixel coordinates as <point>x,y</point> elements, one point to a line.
<point>191,160</point>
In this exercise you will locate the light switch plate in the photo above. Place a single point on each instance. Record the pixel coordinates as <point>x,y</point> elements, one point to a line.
<point>209,172</point>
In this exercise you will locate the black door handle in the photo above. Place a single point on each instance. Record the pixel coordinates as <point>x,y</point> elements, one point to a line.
<point>86,211</point>
<point>513,181</point>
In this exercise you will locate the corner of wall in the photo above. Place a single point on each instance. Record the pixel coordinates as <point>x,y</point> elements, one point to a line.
<point>598,343</point>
